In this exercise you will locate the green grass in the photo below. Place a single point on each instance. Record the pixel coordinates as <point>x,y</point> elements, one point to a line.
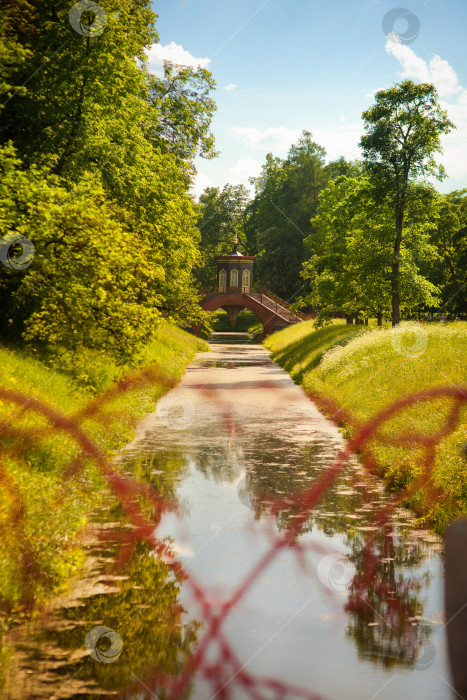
<point>56,509</point>
<point>361,370</point>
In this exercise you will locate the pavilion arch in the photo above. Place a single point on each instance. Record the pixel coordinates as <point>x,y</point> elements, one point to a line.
<point>266,317</point>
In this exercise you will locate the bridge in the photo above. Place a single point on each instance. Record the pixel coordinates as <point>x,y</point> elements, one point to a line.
<point>234,293</point>
<point>272,312</point>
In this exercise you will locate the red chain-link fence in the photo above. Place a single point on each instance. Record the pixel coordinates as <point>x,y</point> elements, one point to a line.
<point>214,658</point>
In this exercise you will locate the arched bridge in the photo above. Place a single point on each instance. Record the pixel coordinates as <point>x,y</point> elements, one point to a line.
<point>271,312</point>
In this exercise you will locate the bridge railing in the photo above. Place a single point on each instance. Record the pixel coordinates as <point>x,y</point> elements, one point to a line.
<point>273,305</point>
<point>285,304</point>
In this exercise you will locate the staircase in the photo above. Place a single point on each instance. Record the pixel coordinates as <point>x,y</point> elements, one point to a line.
<point>275,306</point>
<point>273,313</point>
<point>281,302</point>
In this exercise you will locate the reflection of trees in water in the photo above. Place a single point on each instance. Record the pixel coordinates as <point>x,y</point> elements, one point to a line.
<point>163,468</point>
<point>384,600</point>
<point>279,470</point>
<point>147,616</point>
<point>221,462</point>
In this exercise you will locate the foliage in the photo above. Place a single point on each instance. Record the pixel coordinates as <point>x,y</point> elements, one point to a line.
<point>183,111</point>
<point>16,18</point>
<point>278,219</point>
<point>220,218</point>
<point>403,130</point>
<point>351,247</point>
<point>246,321</point>
<point>99,179</point>
<point>450,238</point>
<point>91,284</point>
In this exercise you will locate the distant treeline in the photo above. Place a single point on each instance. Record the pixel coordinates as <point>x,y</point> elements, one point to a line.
<point>364,238</point>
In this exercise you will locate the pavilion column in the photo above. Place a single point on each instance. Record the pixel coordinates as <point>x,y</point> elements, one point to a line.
<point>233,312</point>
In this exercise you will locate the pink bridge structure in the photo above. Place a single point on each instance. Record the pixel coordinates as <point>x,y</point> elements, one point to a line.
<point>234,293</point>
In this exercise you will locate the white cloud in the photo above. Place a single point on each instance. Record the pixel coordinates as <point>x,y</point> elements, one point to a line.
<point>175,53</point>
<point>413,66</point>
<point>231,86</point>
<point>342,141</point>
<point>201,182</point>
<point>244,169</point>
<point>439,72</point>
<point>273,138</point>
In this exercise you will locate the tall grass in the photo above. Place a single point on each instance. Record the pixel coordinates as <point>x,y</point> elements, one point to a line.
<point>56,509</point>
<point>363,371</point>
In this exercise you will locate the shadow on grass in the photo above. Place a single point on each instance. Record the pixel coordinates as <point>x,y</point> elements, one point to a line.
<point>305,353</point>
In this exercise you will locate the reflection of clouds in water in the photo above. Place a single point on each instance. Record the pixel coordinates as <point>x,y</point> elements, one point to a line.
<point>267,454</point>
<point>182,550</point>
<point>233,484</point>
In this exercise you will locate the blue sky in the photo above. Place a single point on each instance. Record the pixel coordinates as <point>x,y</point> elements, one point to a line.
<point>290,65</point>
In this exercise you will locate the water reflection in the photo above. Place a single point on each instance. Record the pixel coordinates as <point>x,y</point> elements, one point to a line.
<point>230,468</point>
<point>385,604</point>
<point>139,606</point>
<point>385,601</point>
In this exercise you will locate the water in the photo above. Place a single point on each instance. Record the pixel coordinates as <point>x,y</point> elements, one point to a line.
<point>234,437</point>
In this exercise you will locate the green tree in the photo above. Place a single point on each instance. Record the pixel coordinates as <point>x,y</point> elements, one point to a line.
<point>221,215</point>
<point>94,117</point>
<point>278,220</point>
<point>403,130</point>
<point>450,238</point>
<point>349,269</point>
<point>16,18</point>
<point>183,111</point>
<point>92,283</point>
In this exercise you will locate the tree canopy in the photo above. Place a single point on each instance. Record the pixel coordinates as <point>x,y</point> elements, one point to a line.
<point>98,160</point>
<point>349,269</point>
<point>278,219</point>
<point>403,130</point>
<point>221,217</point>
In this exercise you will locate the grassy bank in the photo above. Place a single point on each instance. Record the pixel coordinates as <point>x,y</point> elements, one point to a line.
<point>56,507</point>
<point>364,371</point>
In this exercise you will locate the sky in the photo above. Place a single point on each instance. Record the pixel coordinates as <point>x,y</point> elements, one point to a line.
<point>282,66</point>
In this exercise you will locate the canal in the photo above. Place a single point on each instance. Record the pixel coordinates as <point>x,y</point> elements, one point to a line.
<point>232,446</point>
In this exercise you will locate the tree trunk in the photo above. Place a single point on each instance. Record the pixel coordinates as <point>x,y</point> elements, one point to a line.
<point>349,319</point>
<point>379,317</point>
<point>75,122</point>
<point>366,322</point>
<point>395,290</point>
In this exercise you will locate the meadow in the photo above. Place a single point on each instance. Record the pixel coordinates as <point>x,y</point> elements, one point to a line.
<point>363,370</point>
